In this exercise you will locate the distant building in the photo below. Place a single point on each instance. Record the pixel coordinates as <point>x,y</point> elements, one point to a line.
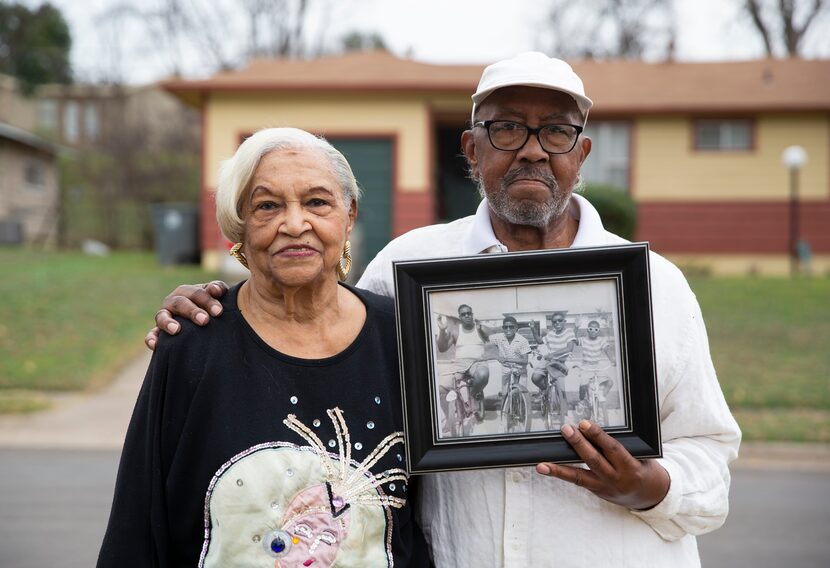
<point>127,123</point>
<point>697,145</point>
<point>29,195</point>
<point>86,116</point>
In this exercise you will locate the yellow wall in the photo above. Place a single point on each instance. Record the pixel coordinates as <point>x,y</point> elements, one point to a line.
<point>667,168</point>
<point>229,115</point>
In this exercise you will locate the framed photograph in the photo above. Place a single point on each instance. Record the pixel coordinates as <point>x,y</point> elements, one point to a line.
<point>498,351</point>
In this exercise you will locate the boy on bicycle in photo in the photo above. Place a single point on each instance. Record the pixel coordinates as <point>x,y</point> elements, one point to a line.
<point>597,355</point>
<point>556,345</point>
<point>513,349</point>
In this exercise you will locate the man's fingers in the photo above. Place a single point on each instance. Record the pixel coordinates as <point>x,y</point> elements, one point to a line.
<point>586,449</point>
<point>203,298</point>
<point>165,322</point>
<point>217,288</point>
<point>572,474</point>
<point>194,301</point>
<point>151,339</point>
<point>614,452</point>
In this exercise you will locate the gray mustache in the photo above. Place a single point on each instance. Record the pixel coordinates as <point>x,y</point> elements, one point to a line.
<point>530,173</point>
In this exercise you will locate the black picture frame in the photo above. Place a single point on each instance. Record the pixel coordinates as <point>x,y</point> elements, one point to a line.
<point>609,286</point>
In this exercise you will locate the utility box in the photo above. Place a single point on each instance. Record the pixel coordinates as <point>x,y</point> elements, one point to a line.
<point>176,232</point>
<point>11,232</point>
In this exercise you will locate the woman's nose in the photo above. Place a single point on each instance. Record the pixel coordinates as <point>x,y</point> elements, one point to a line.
<point>295,221</point>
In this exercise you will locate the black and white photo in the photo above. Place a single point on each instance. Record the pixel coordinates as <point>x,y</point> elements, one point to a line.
<point>498,353</point>
<point>526,358</point>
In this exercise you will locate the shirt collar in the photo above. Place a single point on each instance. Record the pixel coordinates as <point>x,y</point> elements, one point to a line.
<point>590,232</point>
<point>480,237</point>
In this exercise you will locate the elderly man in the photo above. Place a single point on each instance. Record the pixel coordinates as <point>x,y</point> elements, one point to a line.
<point>525,151</point>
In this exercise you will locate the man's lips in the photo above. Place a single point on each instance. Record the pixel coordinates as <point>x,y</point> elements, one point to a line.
<point>530,180</point>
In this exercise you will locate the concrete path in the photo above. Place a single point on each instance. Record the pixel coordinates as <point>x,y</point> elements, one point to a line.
<point>87,421</point>
<point>98,421</point>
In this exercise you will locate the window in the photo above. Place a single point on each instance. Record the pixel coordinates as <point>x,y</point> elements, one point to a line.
<point>70,121</point>
<point>48,115</point>
<point>608,162</point>
<point>91,121</point>
<point>35,174</point>
<point>723,134</point>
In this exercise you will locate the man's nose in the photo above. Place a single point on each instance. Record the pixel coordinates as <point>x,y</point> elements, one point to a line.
<point>532,151</point>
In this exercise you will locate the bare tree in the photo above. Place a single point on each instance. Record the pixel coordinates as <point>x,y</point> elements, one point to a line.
<point>276,27</point>
<point>784,24</point>
<point>222,34</point>
<point>610,29</point>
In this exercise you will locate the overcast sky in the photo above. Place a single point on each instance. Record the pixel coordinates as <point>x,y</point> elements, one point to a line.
<point>440,31</point>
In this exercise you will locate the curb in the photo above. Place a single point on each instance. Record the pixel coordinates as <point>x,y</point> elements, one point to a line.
<point>779,456</point>
<point>98,421</point>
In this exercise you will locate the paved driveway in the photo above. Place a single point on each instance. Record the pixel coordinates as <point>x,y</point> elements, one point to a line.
<point>54,506</point>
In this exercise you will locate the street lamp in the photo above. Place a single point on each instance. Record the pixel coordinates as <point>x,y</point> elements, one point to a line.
<point>794,157</point>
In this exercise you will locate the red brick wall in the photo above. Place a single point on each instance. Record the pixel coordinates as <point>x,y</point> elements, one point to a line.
<point>211,236</point>
<point>411,210</point>
<point>714,227</point>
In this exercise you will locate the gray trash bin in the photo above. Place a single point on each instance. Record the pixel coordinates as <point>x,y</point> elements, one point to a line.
<point>11,232</point>
<point>176,230</point>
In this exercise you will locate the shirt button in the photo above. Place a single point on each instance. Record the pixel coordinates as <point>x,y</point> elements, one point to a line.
<point>517,477</point>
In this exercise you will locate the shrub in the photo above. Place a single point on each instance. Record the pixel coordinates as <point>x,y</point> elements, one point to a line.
<point>616,208</point>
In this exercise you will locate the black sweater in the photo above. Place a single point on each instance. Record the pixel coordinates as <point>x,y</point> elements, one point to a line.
<point>210,474</point>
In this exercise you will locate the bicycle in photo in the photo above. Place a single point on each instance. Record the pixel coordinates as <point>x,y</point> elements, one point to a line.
<point>592,403</point>
<point>553,403</point>
<point>515,406</point>
<point>460,416</point>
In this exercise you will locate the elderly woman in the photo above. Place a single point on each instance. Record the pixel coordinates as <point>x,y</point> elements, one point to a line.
<point>273,438</point>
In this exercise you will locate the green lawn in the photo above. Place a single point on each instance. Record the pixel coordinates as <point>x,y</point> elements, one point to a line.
<point>770,340</point>
<point>68,321</point>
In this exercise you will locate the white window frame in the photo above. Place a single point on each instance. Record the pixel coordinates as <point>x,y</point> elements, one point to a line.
<point>733,134</point>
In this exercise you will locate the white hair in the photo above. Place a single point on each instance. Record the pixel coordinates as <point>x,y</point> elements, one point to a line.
<point>235,173</point>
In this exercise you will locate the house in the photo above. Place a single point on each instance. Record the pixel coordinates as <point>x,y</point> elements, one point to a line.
<point>29,196</point>
<point>90,115</point>
<point>102,199</point>
<point>697,145</point>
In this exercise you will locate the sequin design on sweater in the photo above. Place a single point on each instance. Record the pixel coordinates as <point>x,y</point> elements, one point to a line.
<point>281,505</point>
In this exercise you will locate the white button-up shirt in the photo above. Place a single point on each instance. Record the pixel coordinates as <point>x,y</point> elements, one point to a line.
<point>515,517</point>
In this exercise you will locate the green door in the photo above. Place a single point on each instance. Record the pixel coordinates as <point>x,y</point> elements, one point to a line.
<point>371,161</point>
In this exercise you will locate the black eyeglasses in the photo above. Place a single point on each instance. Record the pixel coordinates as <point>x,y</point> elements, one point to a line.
<point>509,136</point>
<point>462,314</point>
<point>508,326</point>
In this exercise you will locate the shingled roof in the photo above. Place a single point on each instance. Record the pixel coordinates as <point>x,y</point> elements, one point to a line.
<point>622,87</point>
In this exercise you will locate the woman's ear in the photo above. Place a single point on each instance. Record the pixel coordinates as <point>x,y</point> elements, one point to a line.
<point>352,217</point>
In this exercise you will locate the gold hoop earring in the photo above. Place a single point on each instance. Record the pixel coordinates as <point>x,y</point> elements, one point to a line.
<point>345,262</point>
<point>236,252</point>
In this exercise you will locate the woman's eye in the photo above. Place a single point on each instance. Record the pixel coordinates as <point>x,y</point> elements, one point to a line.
<point>303,530</point>
<point>265,205</point>
<point>317,202</point>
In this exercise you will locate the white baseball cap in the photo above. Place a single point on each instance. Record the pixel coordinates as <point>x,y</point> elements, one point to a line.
<point>532,69</point>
